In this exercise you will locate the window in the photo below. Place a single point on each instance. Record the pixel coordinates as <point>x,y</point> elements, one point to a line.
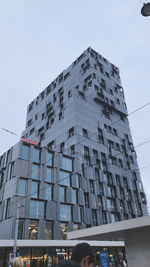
<point>49,177</point>
<point>86,151</point>
<point>113,218</point>
<point>1,179</point>
<point>37,209</point>
<point>33,230</point>
<point>8,208</point>
<point>36,155</point>
<point>25,152</point>
<point>35,189</point>
<point>48,192</point>
<point>65,212</point>
<point>86,197</point>
<point>92,190</point>
<point>72,149</point>
<point>85,133</point>
<point>71,132</point>
<point>62,146</point>
<point>62,194</point>
<point>94,217</point>
<point>51,146</point>
<point>12,170</point>
<point>74,196</point>
<point>120,164</point>
<point>65,178</point>
<point>63,231</point>
<point>76,227</point>
<point>95,153</point>
<point>99,199</point>
<point>67,164</point>
<point>49,159</point>
<point>22,187</point>
<point>49,231</point>
<point>35,171</point>
<point>20,229</point>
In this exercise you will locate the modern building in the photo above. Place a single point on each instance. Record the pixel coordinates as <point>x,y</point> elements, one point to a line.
<point>76,165</point>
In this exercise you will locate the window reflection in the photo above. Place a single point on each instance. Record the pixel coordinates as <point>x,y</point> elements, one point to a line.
<point>64,178</point>
<point>65,212</point>
<point>25,152</point>
<point>36,155</point>
<point>33,230</point>
<point>22,187</point>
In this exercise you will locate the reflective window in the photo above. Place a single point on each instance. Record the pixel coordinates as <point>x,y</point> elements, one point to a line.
<point>36,155</point>
<point>62,194</point>
<point>37,209</point>
<point>25,152</point>
<point>74,196</point>
<point>65,212</point>
<point>48,192</point>
<point>63,231</point>
<point>49,174</point>
<point>22,187</point>
<point>49,231</point>
<point>67,164</point>
<point>64,178</point>
<point>35,189</point>
<point>33,230</point>
<point>49,159</point>
<point>35,171</point>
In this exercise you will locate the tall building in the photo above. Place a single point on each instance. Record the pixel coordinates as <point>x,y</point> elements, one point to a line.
<point>76,165</point>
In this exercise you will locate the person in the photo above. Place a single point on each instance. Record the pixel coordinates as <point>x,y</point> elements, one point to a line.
<point>17,262</point>
<point>83,255</point>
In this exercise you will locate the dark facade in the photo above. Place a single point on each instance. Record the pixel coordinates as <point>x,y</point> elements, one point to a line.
<point>84,170</point>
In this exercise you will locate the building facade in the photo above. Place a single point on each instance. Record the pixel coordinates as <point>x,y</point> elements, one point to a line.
<point>81,169</point>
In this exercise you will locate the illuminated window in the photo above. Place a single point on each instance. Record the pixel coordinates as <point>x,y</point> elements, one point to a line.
<point>33,230</point>
<point>63,231</point>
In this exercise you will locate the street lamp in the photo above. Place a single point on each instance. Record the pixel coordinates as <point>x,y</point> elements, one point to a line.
<point>145,11</point>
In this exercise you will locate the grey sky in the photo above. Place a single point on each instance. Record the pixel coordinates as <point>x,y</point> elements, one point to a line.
<point>40,38</point>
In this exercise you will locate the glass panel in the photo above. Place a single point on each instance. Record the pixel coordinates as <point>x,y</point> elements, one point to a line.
<point>65,212</point>
<point>49,231</point>
<point>48,192</point>
<point>49,174</point>
<point>36,155</point>
<point>33,230</point>
<point>67,164</point>
<point>35,171</point>
<point>20,229</point>
<point>62,194</point>
<point>64,178</point>
<point>8,208</point>
<point>74,196</point>
<point>37,209</point>
<point>25,152</point>
<point>22,186</point>
<point>35,189</point>
<point>63,231</point>
<point>49,159</point>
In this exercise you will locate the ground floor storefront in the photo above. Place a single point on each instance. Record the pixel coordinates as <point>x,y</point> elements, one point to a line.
<point>41,256</point>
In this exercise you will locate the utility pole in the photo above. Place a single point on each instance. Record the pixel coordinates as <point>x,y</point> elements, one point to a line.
<point>16,229</point>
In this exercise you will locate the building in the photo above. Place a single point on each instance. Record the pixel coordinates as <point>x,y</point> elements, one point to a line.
<point>76,165</point>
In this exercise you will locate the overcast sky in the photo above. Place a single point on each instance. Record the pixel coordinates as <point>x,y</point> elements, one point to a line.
<point>40,38</point>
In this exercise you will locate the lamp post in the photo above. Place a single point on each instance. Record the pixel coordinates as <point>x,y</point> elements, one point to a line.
<point>16,230</point>
<point>145,11</point>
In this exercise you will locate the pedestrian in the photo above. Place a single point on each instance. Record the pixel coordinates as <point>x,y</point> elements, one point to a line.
<point>17,262</point>
<point>83,255</point>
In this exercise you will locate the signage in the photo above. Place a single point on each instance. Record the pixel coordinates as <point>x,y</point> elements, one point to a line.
<point>104,259</point>
<point>29,141</point>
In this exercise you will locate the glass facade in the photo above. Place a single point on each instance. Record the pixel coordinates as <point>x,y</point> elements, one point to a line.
<point>65,212</point>
<point>49,175</point>
<point>22,187</point>
<point>35,171</point>
<point>37,209</point>
<point>25,152</point>
<point>65,178</point>
<point>67,164</point>
<point>48,192</point>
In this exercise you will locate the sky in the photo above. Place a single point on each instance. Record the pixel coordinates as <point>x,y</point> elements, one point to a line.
<point>40,38</point>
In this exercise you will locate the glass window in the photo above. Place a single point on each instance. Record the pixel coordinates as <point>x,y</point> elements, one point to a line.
<point>20,229</point>
<point>63,231</point>
<point>35,171</point>
<point>36,155</point>
<point>8,208</point>
<point>76,227</point>
<point>49,159</point>
<point>49,231</point>
<point>35,189</point>
<point>37,209</point>
<point>25,152</point>
<point>49,174</point>
<point>22,187</point>
<point>64,178</point>
<point>48,192</point>
<point>65,212</point>
<point>62,194</point>
<point>67,164</point>
<point>33,230</point>
<point>74,196</point>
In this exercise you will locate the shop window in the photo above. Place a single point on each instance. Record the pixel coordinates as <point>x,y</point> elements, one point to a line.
<point>49,192</point>
<point>65,178</point>
<point>25,152</point>
<point>37,209</point>
<point>49,231</point>
<point>33,230</point>
<point>49,176</point>
<point>63,231</point>
<point>22,187</point>
<point>67,164</point>
<point>35,171</point>
<point>65,212</point>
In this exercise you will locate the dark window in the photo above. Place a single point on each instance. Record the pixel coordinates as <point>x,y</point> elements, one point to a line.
<point>72,149</point>
<point>8,208</point>
<point>49,231</point>
<point>86,197</point>
<point>85,133</point>
<point>71,132</point>
<point>49,192</point>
